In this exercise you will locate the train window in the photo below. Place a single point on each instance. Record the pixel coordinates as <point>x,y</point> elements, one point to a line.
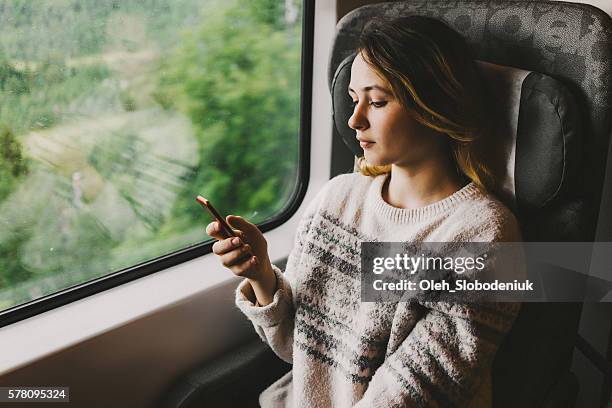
<point>114,115</point>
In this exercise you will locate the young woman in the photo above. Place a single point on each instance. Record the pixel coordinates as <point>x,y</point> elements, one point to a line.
<point>420,117</point>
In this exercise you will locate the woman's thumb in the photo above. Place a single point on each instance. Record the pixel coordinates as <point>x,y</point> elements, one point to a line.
<point>239,223</point>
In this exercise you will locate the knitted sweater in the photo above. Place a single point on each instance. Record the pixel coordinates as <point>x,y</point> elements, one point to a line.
<point>348,353</point>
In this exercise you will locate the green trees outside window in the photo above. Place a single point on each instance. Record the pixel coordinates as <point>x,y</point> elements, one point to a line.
<point>115,114</point>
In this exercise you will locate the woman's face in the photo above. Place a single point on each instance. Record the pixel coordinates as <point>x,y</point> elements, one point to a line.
<point>387,131</point>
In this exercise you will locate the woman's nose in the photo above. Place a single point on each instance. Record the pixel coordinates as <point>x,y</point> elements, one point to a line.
<point>358,119</point>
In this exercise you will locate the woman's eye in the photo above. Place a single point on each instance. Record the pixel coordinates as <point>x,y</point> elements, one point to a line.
<point>378,104</point>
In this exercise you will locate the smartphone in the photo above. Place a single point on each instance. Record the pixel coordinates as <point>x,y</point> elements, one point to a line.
<point>225,228</point>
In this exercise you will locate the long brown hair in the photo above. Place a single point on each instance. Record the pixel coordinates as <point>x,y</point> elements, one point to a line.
<point>430,70</point>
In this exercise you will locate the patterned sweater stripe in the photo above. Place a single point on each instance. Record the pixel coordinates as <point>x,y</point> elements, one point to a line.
<point>350,349</point>
<point>348,353</point>
<point>429,383</point>
<point>421,396</point>
<point>313,313</point>
<point>327,347</point>
<point>323,358</point>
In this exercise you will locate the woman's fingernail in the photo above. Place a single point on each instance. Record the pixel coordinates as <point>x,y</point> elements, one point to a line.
<point>236,241</point>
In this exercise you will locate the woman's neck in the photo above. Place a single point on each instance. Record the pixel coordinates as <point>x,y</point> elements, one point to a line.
<point>420,185</point>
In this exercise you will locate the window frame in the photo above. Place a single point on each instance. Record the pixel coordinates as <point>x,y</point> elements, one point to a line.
<point>114,279</point>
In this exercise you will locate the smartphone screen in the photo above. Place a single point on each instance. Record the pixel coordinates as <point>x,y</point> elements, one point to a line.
<point>225,228</point>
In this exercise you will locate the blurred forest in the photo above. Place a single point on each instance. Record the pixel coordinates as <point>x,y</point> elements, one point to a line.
<point>115,114</point>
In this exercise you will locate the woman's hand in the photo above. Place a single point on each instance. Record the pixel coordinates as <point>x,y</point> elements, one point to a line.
<point>246,255</point>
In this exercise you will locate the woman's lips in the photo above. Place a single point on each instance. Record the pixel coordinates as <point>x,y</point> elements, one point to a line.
<point>365,145</point>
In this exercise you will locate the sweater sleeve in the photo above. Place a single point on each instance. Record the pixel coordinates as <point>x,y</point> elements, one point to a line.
<point>274,323</point>
<point>446,357</point>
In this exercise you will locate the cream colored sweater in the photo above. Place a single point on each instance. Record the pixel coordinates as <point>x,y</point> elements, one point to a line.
<point>347,353</point>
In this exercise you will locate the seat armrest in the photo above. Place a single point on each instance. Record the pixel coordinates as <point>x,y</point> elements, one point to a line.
<point>234,379</point>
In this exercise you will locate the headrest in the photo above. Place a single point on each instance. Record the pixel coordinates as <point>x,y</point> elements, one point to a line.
<point>536,147</point>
